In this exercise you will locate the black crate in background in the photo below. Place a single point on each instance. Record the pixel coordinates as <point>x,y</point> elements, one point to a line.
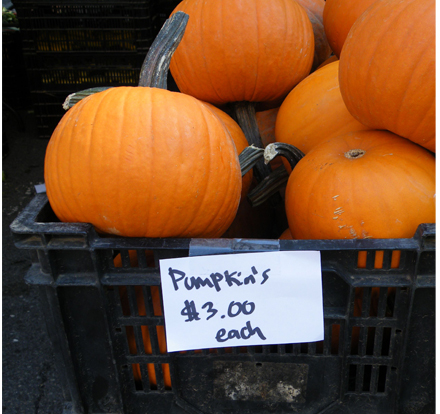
<point>105,321</point>
<point>71,45</point>
<point>86,26</point>
<point>74,72</point>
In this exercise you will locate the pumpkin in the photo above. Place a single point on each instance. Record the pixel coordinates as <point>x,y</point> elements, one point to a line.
<point>315,10</point>
<point>248,50</point>
<point>314,111</point>
<point>239,140</point>
<point>143,162</point>
<point>365,184</point>
<point>338,18</point>
<point>387,69</point>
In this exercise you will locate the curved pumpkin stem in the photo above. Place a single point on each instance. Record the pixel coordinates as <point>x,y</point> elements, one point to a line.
<point>154,70</point>
<point>244,114</point>
<point>290,152</point>
<point>272,183</point>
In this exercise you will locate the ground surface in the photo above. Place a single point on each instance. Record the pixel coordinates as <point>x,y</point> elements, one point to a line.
<point>30,379</point>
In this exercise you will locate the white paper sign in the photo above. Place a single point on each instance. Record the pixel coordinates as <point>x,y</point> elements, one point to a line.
<point>242,299</point>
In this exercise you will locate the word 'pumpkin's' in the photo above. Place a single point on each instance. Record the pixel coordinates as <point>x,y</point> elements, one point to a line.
<point>143,162</point>
<point>248,50</point>
<point>366,184</point>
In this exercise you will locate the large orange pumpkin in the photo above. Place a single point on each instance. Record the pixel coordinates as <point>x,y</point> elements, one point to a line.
<point>366,184</point>
<point>143,162</point>
<point>314,111</point>
<point>315,11</point>
<point>338,17</point>
<point>387,69</point>
<point>248,50</point>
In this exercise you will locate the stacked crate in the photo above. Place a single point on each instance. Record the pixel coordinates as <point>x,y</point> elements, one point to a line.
<point>74,45</point>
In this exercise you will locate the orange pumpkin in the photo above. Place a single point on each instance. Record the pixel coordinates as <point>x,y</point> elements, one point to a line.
<point>240,142</point>
<point>387,69</point>
<point>314,111</point>
<point>144,162</point>
<point>249,50</point>
<point>315,11</point>
<point>366,184</point>
<point>338,17</point>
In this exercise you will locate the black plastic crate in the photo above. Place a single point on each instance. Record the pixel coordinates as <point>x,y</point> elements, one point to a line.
<point>105,320</point>
<point>86,26</point>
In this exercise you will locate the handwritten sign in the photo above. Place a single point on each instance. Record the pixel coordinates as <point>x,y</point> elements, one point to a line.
<point>242,299</point>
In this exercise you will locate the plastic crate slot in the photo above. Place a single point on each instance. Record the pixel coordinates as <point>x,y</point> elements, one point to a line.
<point>319,347</point>
<point>355,335</point>
<point>288,348</point>
<point>132,348</point>
<point>304,348</point>
<point>352,377</point>
<point>380,259</point>
<point>371,335</point>
<point>382,378</point>
<point>367,378</point>
<point>335,335</point>
<point>123,296</point>
<point>386,342</point>
<point>137,376</point>
<point>392,298</point>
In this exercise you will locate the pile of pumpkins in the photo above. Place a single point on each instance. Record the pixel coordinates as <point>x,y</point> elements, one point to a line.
<point>350,83</point>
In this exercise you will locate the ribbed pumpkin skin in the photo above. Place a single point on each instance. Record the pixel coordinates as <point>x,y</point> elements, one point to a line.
<point>387,69</point>
<point>143,162</point>
<point>386,193</point>
<point>242,50</point>
<point>240,142</point>
<point>315,11</point>
<point>338,17</point>
<point>314,111</point>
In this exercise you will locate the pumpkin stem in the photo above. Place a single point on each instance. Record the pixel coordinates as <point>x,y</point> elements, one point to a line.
<point>272,183</point>
<point>269,186</point>
<point>154,70</point>
<point>354,154</point>
<point>291,153</point>
<point>244,114</point>
<point>249,157</point>
<point>74,98</point>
